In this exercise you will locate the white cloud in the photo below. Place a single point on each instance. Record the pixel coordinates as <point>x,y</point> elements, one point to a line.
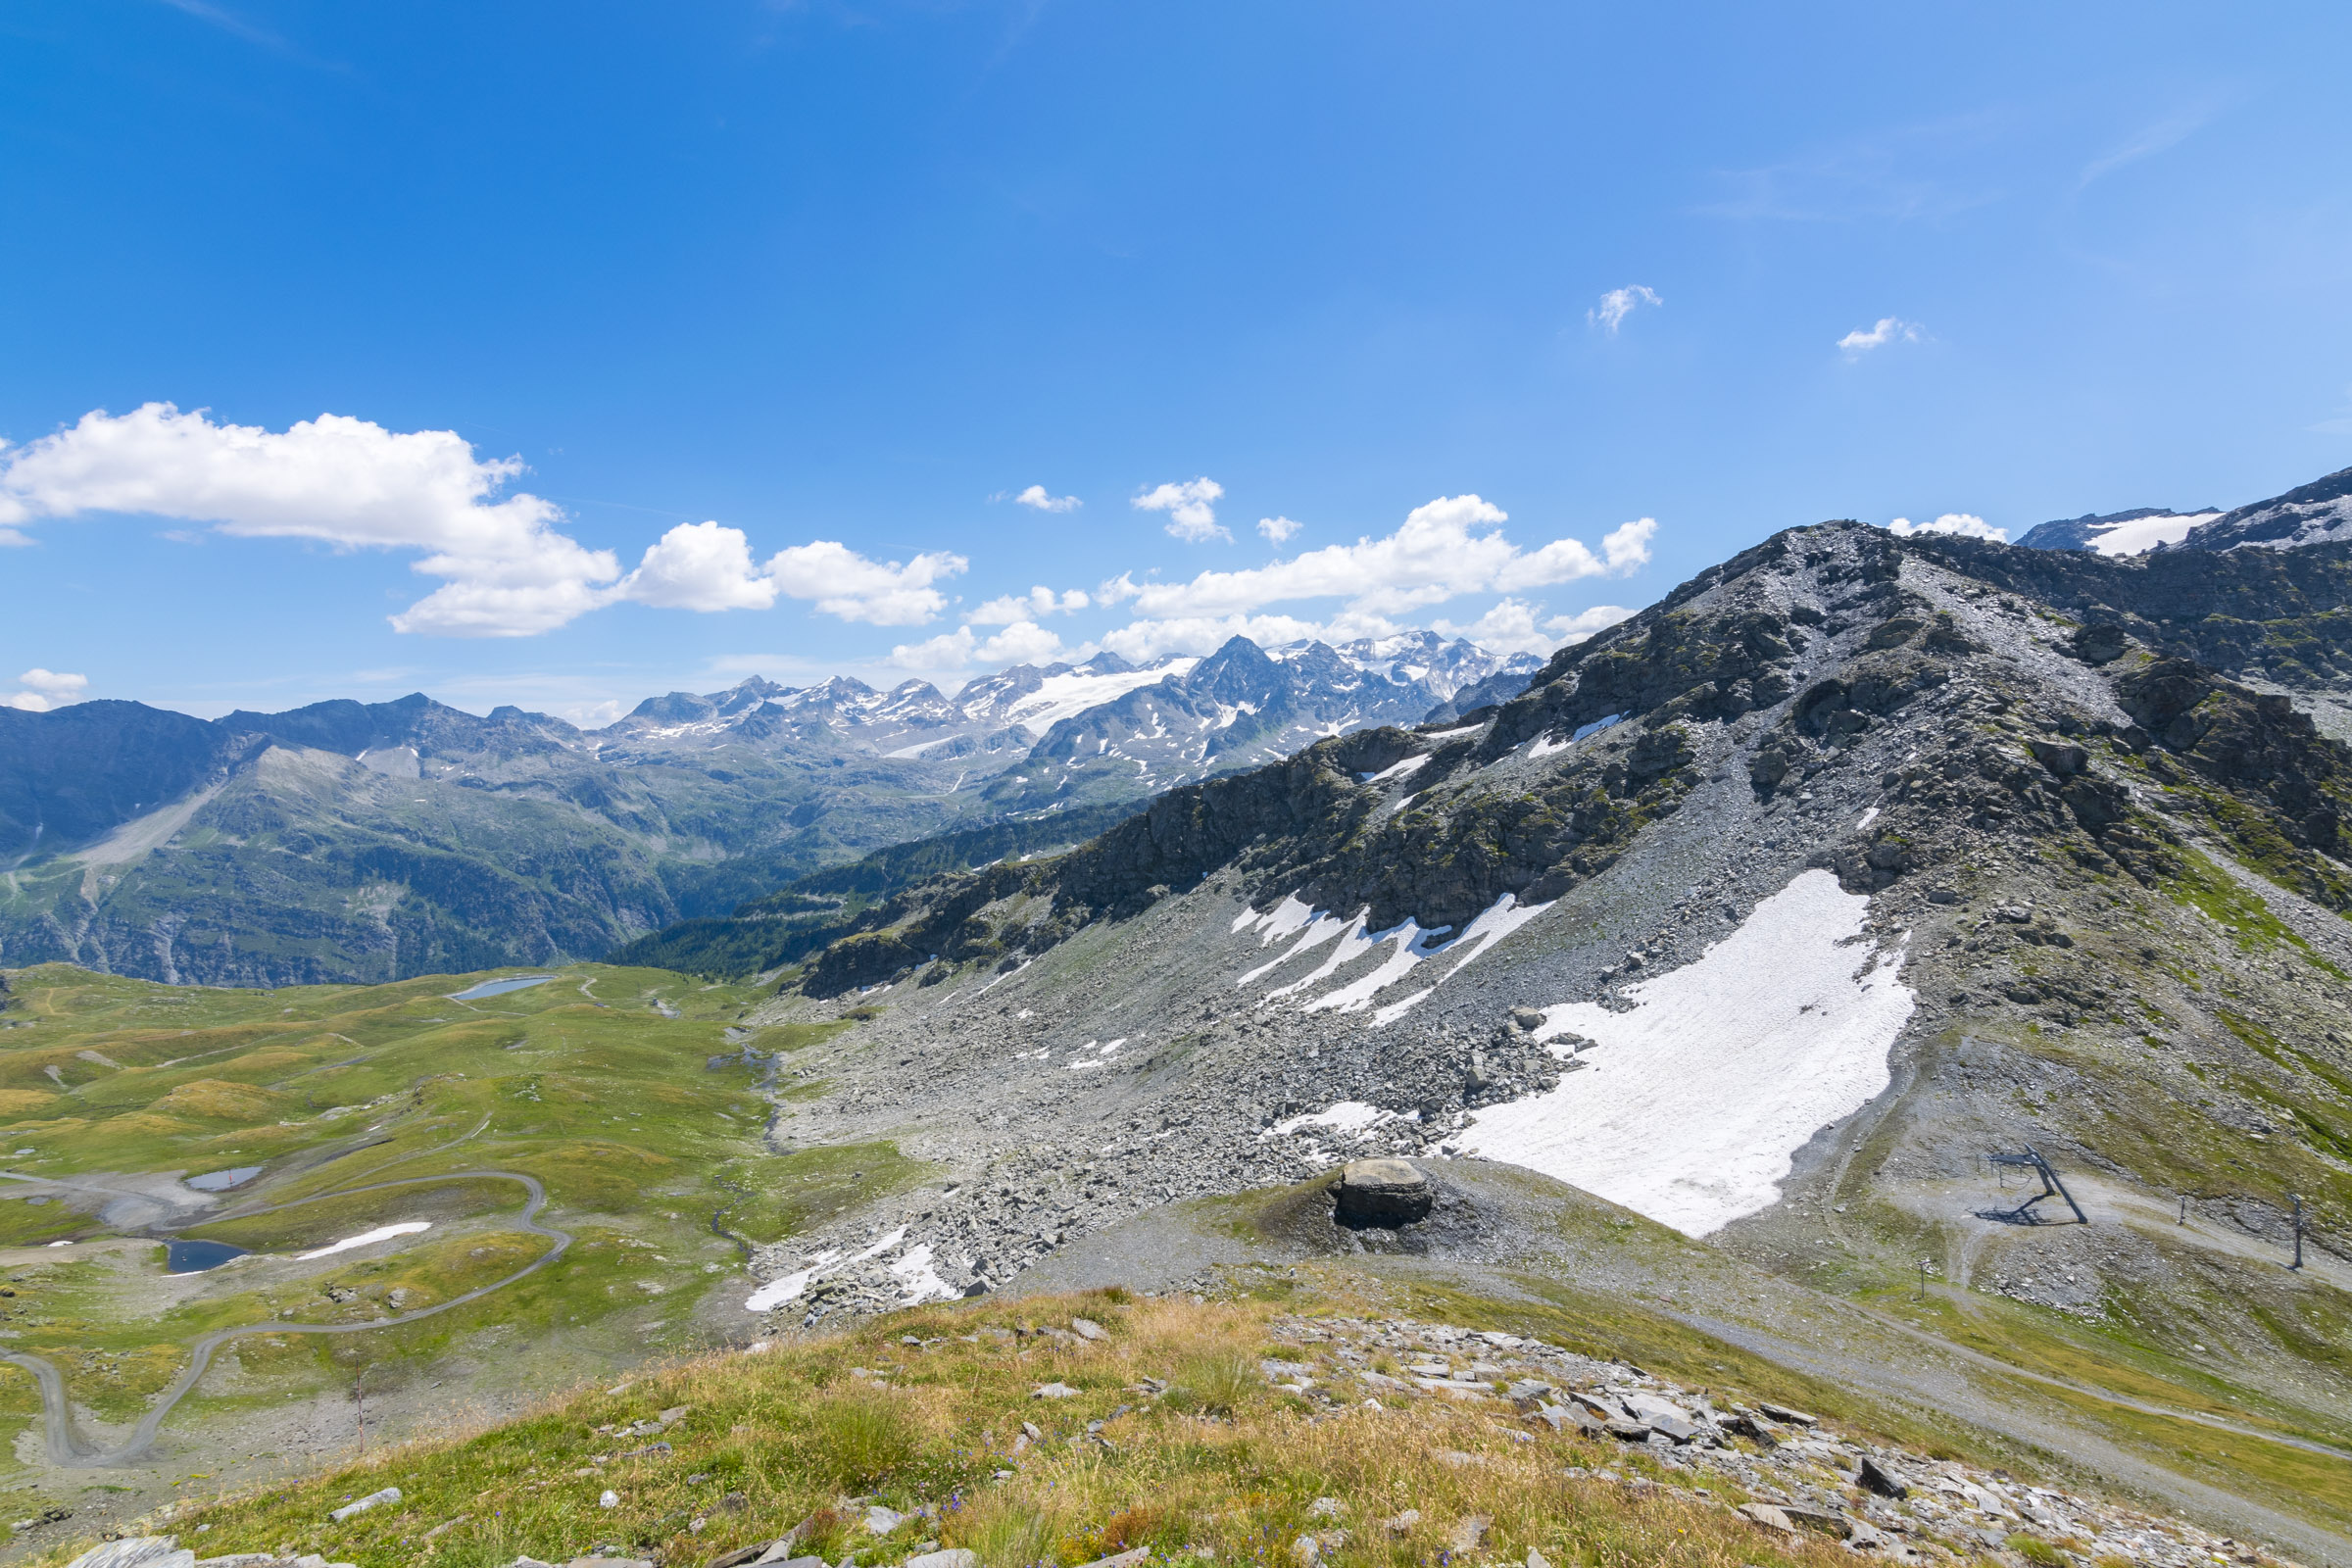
<point>1034,605</point>
<point>1510,627</point>
<point>45,689</point>
<point>1889,329</point>
<point>1574,629</point>
<point>1024,642</point>
<point>1146,640</point>
<point>1618,304</point>
<point>347,481</point>
<point>1278,528</point>
<point>1037,496</point>
<point>356,485</point>
<point>1966,524</point>
<point>845,583</point>
<point>11,539</point>
<point>1190,516</point>
<point>50,683</point>
<point>708,566</point>
<point>1442,550</point>
<point>699,565</point>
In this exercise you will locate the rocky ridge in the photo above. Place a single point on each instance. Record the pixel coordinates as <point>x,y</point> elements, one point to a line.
<point>2109,876</point>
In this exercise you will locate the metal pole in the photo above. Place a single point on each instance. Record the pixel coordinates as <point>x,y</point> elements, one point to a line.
<point>2298,1263</point>
<point>2183,1219</point>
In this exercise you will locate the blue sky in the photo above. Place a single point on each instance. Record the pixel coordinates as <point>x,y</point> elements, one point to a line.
<point>846,279</point>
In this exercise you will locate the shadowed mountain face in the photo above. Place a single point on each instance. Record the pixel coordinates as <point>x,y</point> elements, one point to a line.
<point>370,841</point>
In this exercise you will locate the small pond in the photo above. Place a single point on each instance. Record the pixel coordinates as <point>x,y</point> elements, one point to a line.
<point>221,1181</point>
<point>493,988</point>
<point>194,1258</point>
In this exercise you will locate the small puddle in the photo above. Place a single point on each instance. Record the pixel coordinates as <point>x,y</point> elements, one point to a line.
<point>194,1258</point>
<point>495,988</point>
<point>221,1181</point>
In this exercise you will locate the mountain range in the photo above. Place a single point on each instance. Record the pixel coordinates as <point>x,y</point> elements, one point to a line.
<point>1771,915</point>
<point>1908,973</point>
<point>366,842</point>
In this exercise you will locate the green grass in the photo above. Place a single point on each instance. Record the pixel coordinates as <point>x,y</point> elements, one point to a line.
<point>761,1443</point>
<point>651,1160</point>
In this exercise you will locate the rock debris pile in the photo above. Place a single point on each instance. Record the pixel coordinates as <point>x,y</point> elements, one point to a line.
<point>1797,1475</point>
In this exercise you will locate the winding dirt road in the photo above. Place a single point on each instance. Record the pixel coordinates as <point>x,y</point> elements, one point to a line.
<point>68,1449</point>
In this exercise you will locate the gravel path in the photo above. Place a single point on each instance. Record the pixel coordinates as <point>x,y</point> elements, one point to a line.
<point>67,1448</point>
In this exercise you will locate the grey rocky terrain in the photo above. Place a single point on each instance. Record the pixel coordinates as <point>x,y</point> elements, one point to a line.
<point>1985,848</point>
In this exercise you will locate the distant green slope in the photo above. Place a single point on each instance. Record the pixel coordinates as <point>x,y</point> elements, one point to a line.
<point>807,914</point>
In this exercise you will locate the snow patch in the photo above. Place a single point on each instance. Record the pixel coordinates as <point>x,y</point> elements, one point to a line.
<point>1352,1116</point>
<point>1723,1069</point>
<point>919,1279</point>
<point>1403,769</point>
<point>1321,929</point>
<point>1057,697</point>
<point>791,1287</point>
<point>1414,945</point>
<point>2147,533</point>
<point>1278,922</point>
<point>1595,727</point>
<point>1544,745</point>
<point>382,1233</point>
<point>1868,818</point>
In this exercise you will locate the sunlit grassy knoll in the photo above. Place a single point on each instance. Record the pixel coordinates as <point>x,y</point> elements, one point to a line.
<point>1222,1461</point>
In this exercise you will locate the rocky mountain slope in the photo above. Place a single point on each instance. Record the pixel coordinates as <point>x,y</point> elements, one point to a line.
<point>1768,914</point>
<point>1687,996</point>
<point>2319,512</point>
<point>349,840</point>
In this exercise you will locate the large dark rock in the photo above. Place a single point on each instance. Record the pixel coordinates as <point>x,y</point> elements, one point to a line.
<point>1381,1193</point>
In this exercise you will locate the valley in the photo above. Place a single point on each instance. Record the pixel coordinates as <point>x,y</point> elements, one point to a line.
<point>438,1209</point>
<point>1692,992</point>
<point>352,843</point>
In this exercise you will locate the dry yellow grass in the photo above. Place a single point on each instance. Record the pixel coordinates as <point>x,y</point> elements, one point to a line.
<point>24,1101</point>
<point>217,1099</point>
<point>1223,1462</point>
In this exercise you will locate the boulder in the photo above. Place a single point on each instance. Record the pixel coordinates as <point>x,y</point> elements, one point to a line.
<point>1876,1477</point>
<point>2100,643</point>
<point>2062,758</point>
<point>1382,1193</point>
<point>140,1551</point>
<point>374,1499</point>
<point>1821,1521</point>
<point>952,1558</point>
